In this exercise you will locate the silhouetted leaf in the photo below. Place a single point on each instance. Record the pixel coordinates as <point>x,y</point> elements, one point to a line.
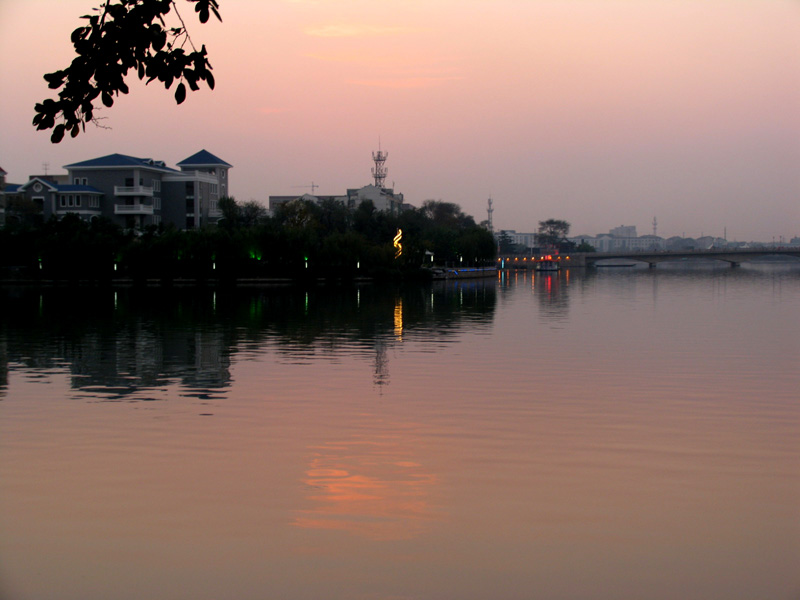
<point>58,134</point>
<point>180,93</point>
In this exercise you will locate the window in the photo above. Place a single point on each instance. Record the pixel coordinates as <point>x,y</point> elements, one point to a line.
<point>214,188</point>
<point>190,188</point>
<point>76,180</point>
<point>156,185</point>
<point>63,200</point>
<point>70,200</point>
<point>156,219</point>
<point>189,222</point>
<point>129,182</point>
<point>156,203</point>
<point>190,205</point>
<point>78,200</point>
<point>223,173</point>
<point>94,202</point>
<point>213,206</point>
<point>85,181</point>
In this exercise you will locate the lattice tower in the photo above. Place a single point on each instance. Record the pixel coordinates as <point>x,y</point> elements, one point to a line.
<point>379,170</point>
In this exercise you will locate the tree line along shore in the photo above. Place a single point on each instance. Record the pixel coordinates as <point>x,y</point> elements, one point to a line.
<point>300,240</point>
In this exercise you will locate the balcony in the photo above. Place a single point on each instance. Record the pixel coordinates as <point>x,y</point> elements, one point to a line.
<point>133,190</point>
<point>133,209</point>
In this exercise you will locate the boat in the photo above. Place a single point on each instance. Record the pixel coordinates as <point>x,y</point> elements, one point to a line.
<point>547,265</point>
<point>465,273</point>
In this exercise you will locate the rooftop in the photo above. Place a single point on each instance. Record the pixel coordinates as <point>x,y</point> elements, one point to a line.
<point>204,158</point>
<point>119,160</point>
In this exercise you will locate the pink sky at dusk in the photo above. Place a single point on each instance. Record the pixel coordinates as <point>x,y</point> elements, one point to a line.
<point>600,112</point>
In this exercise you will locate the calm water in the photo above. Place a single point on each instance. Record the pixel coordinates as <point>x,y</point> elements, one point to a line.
<point>619,434</point>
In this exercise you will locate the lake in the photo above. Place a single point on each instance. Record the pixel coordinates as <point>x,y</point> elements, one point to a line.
<point>610,434</point>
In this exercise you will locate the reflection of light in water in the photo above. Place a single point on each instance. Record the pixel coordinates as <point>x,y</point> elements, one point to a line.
<point>368,487</point>
<point>381,364</point>
<point>398,318</point>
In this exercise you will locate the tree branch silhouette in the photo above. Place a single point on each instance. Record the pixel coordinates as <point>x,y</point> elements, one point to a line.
<point>123,35</point>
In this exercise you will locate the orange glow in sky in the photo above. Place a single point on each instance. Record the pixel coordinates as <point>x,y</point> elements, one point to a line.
<point>600,112</point>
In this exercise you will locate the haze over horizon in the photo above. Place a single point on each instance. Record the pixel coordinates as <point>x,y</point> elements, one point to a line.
<point>599,112</point>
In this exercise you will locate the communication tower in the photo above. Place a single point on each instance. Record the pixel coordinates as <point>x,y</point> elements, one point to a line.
<point>489,211</point>
<point>379,170</point>
<point>655,226</point>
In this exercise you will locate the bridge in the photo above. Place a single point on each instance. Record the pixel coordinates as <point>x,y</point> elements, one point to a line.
<point>590,259</point>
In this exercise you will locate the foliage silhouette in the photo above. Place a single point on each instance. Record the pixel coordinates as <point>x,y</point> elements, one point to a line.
<point>120,36</point>
<point>302,240</point>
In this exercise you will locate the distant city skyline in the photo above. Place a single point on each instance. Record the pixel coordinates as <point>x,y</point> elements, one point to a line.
<point>598,112</point>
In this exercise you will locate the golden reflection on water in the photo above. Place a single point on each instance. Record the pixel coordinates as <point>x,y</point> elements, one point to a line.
<point>398,319</point>
<point>369,486</point>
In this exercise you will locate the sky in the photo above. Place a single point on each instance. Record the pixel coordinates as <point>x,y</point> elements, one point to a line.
<point>599,112</point>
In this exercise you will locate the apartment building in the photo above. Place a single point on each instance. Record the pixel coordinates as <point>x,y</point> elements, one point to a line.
<point>134,192</point>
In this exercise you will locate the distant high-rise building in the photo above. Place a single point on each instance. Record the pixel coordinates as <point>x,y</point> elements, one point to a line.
<point>625,231</point>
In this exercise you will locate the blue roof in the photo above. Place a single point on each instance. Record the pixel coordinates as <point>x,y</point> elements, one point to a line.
<point>204,158</point>
<point>11,188</point>
<point>119,160</point>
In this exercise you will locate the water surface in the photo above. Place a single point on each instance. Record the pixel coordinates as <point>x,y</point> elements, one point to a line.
<point>623,433</point>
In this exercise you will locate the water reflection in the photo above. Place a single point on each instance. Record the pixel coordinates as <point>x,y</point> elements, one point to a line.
<point>551,289</point>
<point>370,485</point>
<point>119,344</point>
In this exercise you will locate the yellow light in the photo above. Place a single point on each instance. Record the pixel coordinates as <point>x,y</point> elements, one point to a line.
<point>398,247</point>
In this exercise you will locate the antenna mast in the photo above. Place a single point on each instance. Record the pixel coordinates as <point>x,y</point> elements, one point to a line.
<point>489,211</point>
<point>655,226</point>
<point>379,170</point>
